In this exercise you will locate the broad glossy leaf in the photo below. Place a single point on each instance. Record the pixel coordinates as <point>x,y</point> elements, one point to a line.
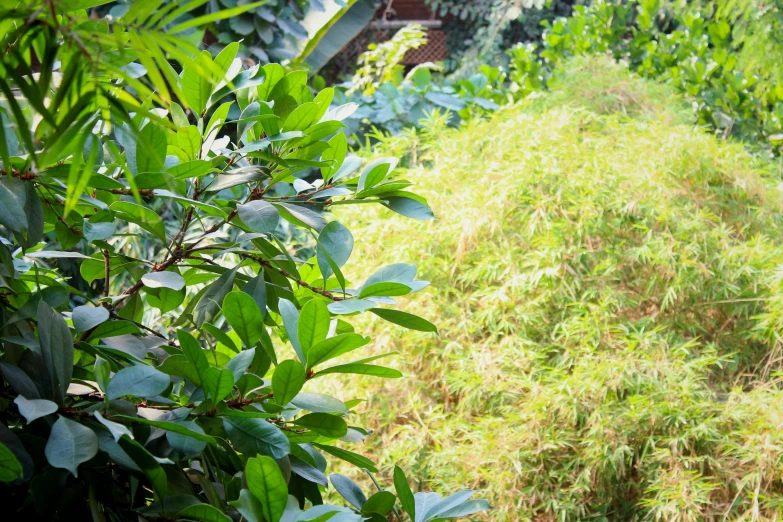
<point>324,424</point>
<point>348,456</point>
<point>409,207</point>
<point>349,490</point>
<point>147,463</point>
<point>144,217</point>
<point>32,409</point>
<point>252,436</point>
<point>404,492</point>
<point>301,216</point>
<point>406,320</point>
<point>164,279</point>
<point>116,429</point>
<point>240,363</point>
<point>337,241</point>
<point>192,351</point>
<point>256,288</point>
<point>203,512</point>
<point>260,216</point>
<point>70,444</point>
<point>287,381</point>
<point>362,369</point>
<point>140,380</point>
<point>210,303</point>
<point>12,202</point>
<point>86,317</point>
<point>334,347</point>
<point>10,468</point>
<point>243,315</point>
<point>314,319</point>
<point>381,503</point>
<point>319,402</point>
<point>384,289</point>
<point>290,315</point>
<point>56,348</point>
<point>218,383</point>
<point>265,481</point>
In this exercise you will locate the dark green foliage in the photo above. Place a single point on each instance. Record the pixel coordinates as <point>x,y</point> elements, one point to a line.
<point>185,380</point>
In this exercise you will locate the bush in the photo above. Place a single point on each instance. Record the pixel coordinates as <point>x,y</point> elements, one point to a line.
<point>608,299</point>
<point>692,49</point>
<point>183,380</point>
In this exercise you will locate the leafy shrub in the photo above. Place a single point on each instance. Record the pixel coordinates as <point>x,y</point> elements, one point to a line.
<point>609,305</point>
<point>696,55</point>
<point>388,102</point>
<point>184,382</point>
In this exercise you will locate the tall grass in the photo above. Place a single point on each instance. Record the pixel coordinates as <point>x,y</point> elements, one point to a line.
<point>609,292</point>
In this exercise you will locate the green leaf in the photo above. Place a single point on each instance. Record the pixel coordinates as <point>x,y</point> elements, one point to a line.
<point>301,117</point>
<point>70,444</point>
<point>409,207</point>
<point>256,288</point>
<point>406,320</point>
<point>218,383</point>
<point>381,503</point>
<point>203,512</point>
<point>197,83</point>
<point>32,409</point>
<point>164,279</point>
<point>140,380</point>
<point>319,402</point>
<point>384,289</point>
<point>313,325</point>
<point>148,465</point>
<point>221,336</point>
<point>252,436</point>
<point>349,490</point>
<point>260,216</point>
<point>265,481</point>
<point>144,217</point>
<point>99,230</point>
<point>56,348</point>
<point>10,468</point>
<point>337,241</point>
<point>404,492</point>
<point>116,429</point>
<point>300,216</point>
<point>180,366</point>
<point>87,317</point>
<point>210,303</point>
<point>376,172</point>
<point>181,428</point>
<point>287,381</point>
<point>324,424</point>
<point>12,203</point>
<point>348,456</point>
<point>148,154</point>
<point>362,369</point>
<point>249,506</point>
<point>243,315</point>
<point>334,347</point>
<point>187,443</point>
<point>290,315</point>
<point>192,351</point>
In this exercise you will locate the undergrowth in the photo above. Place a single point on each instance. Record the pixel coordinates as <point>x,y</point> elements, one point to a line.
<point>609,298</point>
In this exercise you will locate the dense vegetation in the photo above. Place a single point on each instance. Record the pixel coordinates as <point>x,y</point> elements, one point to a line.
<point>183,381</point>
<point>194,247</point>
<point>607,287</point>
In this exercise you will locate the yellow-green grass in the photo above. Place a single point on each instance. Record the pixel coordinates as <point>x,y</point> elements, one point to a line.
<point>607,286</point>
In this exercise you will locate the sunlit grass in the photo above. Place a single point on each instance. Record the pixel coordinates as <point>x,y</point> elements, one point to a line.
<point>607,286</point>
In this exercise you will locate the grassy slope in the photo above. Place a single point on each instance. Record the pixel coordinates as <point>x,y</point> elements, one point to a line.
<point>596,267</point>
